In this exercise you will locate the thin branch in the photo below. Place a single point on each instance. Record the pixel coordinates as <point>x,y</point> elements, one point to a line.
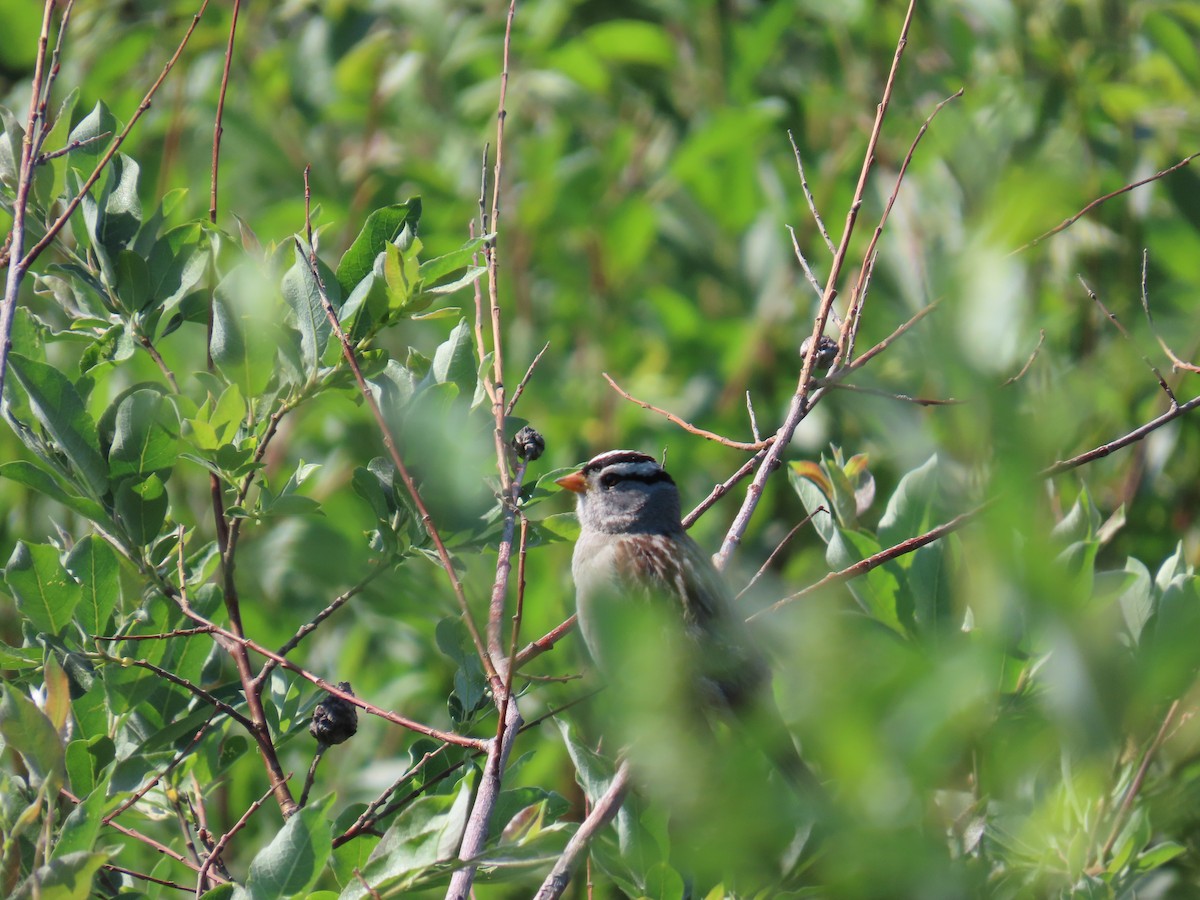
<point>147,840</point>
<point>1124,332</point>
<point>368,815</point>
<point>800,399</point>
<point>218,128</point>
<point>545,642</point>
<point>512,403</point>
<point>877,559</point>
<point>72,146</point>
<point>1132,437</point>
<point>804,266</point>
<point>905,398</point>
<point>215,856</point>
<point>1028,362</point>
<point>212,700</point>
<point>722,489</point>
<point>863,358</point>
<point>687,426</point>
<point>311,626</point>
<point>778,548</point>
<point>312,772</point>
<point>57,225</point>
<point>404,722</point>
<point>1068,222</point>
<point>601,814</point>
<point>142,876</point>
<point>859,295</point>
<point>410,485</point>
<point>30,148</point>
<point>812,204</point>
<point>1139,779</point>
<point>508,723</point>
<point>175,760</point>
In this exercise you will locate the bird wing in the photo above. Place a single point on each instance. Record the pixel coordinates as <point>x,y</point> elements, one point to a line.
<point>652,568</point>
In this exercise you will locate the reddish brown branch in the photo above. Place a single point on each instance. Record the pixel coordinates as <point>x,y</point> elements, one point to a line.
<point>1071,220</point>
<point>687,426</point>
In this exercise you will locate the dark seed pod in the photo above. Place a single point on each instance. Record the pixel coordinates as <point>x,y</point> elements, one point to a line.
<point>334,720</point>
<point>528,444</point>
<point>826,351</point>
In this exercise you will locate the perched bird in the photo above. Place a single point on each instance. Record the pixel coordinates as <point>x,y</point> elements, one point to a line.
<point>633,554</point>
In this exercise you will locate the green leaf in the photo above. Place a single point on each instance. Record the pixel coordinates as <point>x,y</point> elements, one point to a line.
<point>89,130</point>
<point>292,862</point>
<point>82,825</point>
<point>462,258</point>
<point>122,208</point>
<point>141,507</point>
<point>58,407</point>
<point>133,281</point>
<point>1137,601</point>
<point>64,878</point>
<point>427,832</point>
<point>470,683</point>
<point>94,565</point>
<point>381,228</point>
<point>145,435</point>
<point>46,594</point>
<point>26,729</point>
<point>244,335</point>
<point>910,507</point>
<point>454,360</point>
<point>303,295</point>
<point>43,482</point>
<point>401,277</point>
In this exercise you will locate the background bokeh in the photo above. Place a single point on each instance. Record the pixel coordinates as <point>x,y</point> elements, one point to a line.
<point>647,184</point>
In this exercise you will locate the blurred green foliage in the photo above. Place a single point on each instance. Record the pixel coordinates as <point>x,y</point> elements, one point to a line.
<point>980,707</point>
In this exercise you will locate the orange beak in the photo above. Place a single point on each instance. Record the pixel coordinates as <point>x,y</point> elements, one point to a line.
<point>574,482</point>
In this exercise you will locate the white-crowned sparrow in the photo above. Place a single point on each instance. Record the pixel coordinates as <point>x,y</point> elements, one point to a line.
<point>632,549</point>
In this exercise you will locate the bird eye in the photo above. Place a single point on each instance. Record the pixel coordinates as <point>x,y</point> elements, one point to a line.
<point>608,479</point>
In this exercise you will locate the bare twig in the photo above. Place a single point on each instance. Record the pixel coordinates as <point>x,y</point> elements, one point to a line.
<point>877,559</point>
<point>863,358</point>
<point>167,675</point>
<point>215,856</point>
<point>1174,412</point>
<point>891,395</point>
<point>175,760</point>
<point>57,225</point>
<point>801,398</point>
<point>35,134</point>
<point>142,876</point>
<point>508,723</point>
<point>1029,362</point>
<point>722,489</point>
<point>809,276</point>
<point>1124,332</point>
<point>394,718</point>
<point>779,547</point>
<point>686,426</point>
<point>545,642</point>
<point>147,840</point>
<point>218,128</point>
<point>859,295</point>
<point>312,772</point>
<point>1071,220</point>
<point>812,204</point>
<point>410,485</point>
<point>311,626</point>
<point>72,146</point>
<point>601,814</point>
<point>512,403</point>
<point>1135,786</point>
